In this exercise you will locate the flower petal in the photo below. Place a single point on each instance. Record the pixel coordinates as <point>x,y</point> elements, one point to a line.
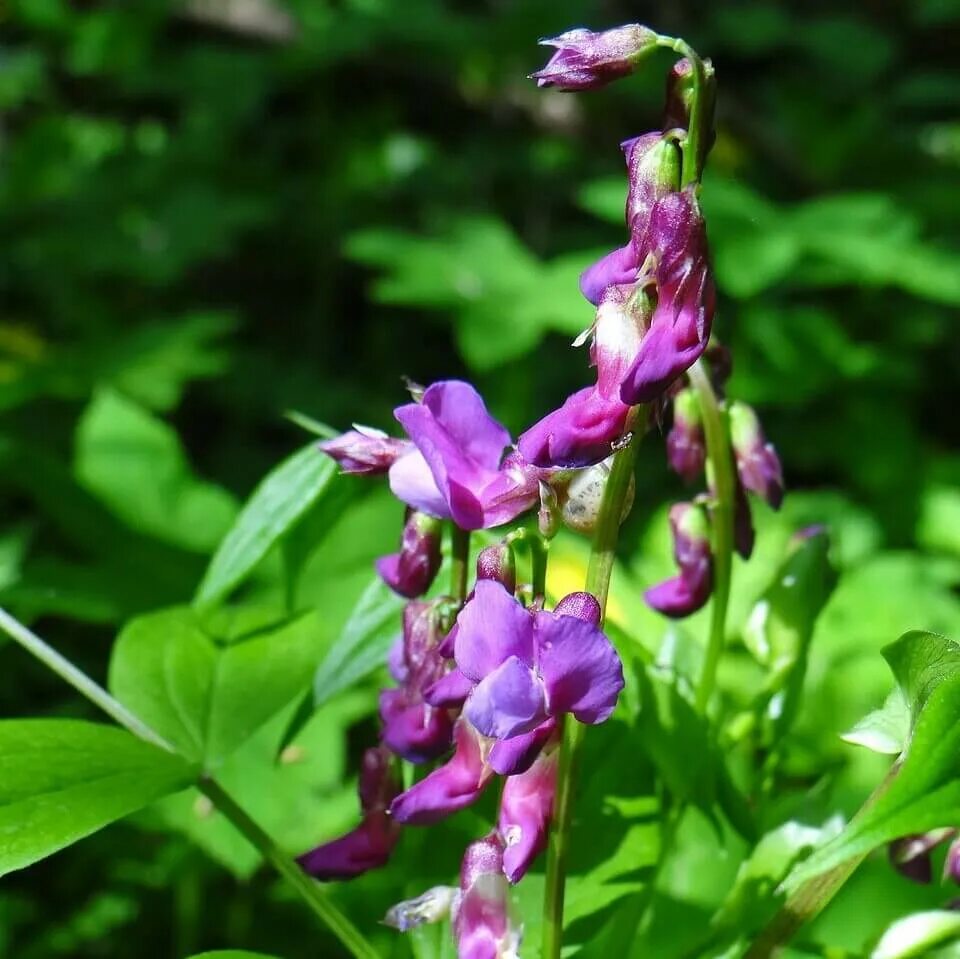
<point>616,268</point>
<point>364,848</point>
<point>412,482</point>
<point>491,628</point>
<point>581,670</point>
<point>450,690</point>
<point>507,702</point>
<point>509,757</point>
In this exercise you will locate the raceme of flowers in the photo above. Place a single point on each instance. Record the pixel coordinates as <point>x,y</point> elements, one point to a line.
<point>482,682</point>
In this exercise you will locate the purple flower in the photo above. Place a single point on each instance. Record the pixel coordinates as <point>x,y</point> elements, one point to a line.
<point>526,806</point>
<point>680,327</point>
<point>689,591</point>
<point>411,571</point>
<point>586,60</point>
<point>686,444</point>
<point>744,534</point>
<point>530,665</point>
<point>482,922</point>
<point>365,450</point>
<point>457,470</point>
<point>449,788</point>
<point>371,843</point>
<point>757,462</point>
<point>412,727</point>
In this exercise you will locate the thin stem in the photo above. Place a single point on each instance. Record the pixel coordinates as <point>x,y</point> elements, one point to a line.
<point>308,889</point>
<point>722,469</point>
<point>459,561</point>
<point>539,553</point>
<point>598,582</point>
<point>692,148</point>
<point>79,680</point>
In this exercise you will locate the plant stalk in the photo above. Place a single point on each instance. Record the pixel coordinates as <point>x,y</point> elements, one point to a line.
<point>720,455</point>
<point>306,887</point>
<point>599,571</point>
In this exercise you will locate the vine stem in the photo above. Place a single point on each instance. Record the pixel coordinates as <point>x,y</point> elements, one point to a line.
<point>599,571</point>
<point>307,888</point>
<point>720,457</point>
<point>692,141</point>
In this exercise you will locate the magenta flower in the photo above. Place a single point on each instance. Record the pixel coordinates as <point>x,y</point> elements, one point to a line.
<point>412,571</point>
<point>412,727</point>
<point>526,806</point>
<point>586,60</point>
<point>457,470</point>
<point>449,788</point>
<point>482,920</point>
<point>369,845</point>
<point>365,450</point>
<point>531,665</point>
<point>686,443</point>
<point>689,591</point>
<point>757,462</point>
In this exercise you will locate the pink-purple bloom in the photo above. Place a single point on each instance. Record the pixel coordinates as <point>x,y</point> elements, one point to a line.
<point>757,462</point>
<point>365,450</point>
<point>526,806</point>
<point>529,665</point>
<point>458,470</point>
<point>586,60</point>
<point>371,843</point>
<point>482,921</point>
<point>413,728</point>
<point>690,589</point>
<point>412,571</point>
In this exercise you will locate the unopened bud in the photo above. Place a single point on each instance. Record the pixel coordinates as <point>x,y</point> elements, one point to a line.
<point>681,91</point>
<point>951,865</point>
<point>432,906</point>
<point>365,450</point>
<point>498,563</point>
<point>757,462</point>
<point>686,444</point>
<point>411,571</point>
<point>482,924</point>
<point>910,855</point>
<point>653,171</point>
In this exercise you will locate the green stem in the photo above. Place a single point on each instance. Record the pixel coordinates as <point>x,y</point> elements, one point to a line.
<point>692,142</point>
<point>598,582</point>
<point>307,888</point>
<point>717,432</point>
<point>539,552</point>
<point>459,561</point>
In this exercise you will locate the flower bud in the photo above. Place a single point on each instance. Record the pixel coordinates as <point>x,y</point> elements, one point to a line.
<point>365,450</point>
<point>498,563</point>
<point>686,444</point>
<point>449,788</point>
<point>482,924</point>
<point>951,865</point>
<point>411,571</point>
<point>371,843</point>
<point>526,806</point>
<point>911,855</point>
<point>689,591</point>
<point>586,60</point>
<point>679,100</point>
<point>653,170</point>
<point>744,534</point>
<point>757,462</point>
<point>432,906</point>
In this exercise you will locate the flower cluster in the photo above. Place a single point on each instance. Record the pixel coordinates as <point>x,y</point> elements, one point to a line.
<point>485,680</point>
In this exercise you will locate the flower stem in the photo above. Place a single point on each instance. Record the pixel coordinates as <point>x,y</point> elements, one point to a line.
<point>307,888</point>
<point>717,432</point>
<point>459,561</point>
<point>692,148</point>
<point>598,582</point>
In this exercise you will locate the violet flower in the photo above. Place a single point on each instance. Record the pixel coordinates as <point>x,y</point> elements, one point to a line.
<point>369,845</point>
<point>413,728</point>
<point>757,462</point>
<point>412,571</point>
<point>686,443</point>
<point>690,589</point>
<point>526,806</point>
<point>586,60</point>
<point>365,450</point>
<point>531,665</point>
<point>457,470</point>
<point>449,788</point>
<point>482,921</point>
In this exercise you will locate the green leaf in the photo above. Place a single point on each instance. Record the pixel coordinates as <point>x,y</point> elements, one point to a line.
<point>204,696</point>
<point>363,644</point>
<point>64,779</point>
<point>134,463</point>
<point>280,500</point>
<point>914,935</point>
<point>924,791</point>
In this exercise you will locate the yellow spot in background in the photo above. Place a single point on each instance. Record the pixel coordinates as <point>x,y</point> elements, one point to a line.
<point>567,574</point>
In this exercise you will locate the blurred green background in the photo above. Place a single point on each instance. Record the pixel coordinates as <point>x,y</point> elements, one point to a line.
<point>216,211</point>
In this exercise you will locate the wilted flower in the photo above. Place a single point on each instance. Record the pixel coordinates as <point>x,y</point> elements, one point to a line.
<point>365,450</point>
<point>686,444</point>
<point>526,805</point>
<point>757,462</point>
<point>371,843</point>
<point>411,571</point>
<point>434,905</point>
<point>689,591</point>
<point>457,470</point>
<point>482,922</point>
<point>586,60</point>
<point>412,727</point>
